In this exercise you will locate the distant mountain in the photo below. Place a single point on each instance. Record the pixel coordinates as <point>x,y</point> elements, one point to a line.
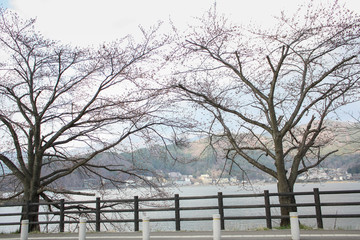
<point>346,137</point>
<point>341,136</point>
<point>198,158</point>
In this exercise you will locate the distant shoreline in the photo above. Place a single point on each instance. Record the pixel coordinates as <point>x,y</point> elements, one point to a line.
<point>262,182</point>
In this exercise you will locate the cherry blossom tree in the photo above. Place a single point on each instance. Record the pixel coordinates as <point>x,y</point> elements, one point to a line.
<point>61,107</point>
<point>266,94</point>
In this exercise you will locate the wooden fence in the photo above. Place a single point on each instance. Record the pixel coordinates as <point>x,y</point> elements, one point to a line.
<point>97,211</point>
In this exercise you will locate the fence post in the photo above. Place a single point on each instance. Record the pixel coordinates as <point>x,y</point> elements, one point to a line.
<point>98,211</point>
<point>146,228</point>
<point>177,212</point>
<point>318,208</point>
<point>82,228</point>
<point>216,227</point>
<point>62,215</point>
<point>136,213</point>
<point>221,210</point>
<point>267,209</point>
<point>294,223</point>
<point>24,229</point>
<point>27,216</point>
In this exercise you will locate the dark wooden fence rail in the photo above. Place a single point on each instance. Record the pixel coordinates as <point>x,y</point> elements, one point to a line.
<point>99,207</point>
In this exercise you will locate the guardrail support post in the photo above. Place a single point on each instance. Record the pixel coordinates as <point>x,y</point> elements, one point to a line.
<point>24,229</point>
<point>216,226</point>
<point>82,228</point>
<point>294,223</point>
<point>146,228</point>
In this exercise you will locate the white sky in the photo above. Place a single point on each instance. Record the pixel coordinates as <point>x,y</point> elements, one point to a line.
<point>86,22</point>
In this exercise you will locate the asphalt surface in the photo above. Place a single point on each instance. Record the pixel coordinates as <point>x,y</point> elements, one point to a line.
<point>226,235</point>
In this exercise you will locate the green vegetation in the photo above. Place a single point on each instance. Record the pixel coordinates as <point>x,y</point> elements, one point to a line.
<point>302,227</point>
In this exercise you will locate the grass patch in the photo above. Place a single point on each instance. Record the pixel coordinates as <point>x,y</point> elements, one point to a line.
<point>282,227</point>
<point>301,226</point>
<point>262,229</point>
<point>305,227</point>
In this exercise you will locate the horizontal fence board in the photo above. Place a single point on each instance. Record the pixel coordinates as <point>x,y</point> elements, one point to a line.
<point>10,223</point>
<point>163,220</point>
<point>117,211</point>
<point>243,195</point>
<point>198,208</point>
<point>9,214</point>
<point>197,219</point>
<point>245,218</point>
<point>340,204</point>
<point>198,197</point>
<point>341,215</point>
<point>113,221</point>
<point>244,206</point>
<point>338,192</point>
<point>156,209</point>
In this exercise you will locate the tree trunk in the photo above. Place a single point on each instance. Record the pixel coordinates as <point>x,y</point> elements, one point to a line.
<point>30,211</point>
<point>284,187</point>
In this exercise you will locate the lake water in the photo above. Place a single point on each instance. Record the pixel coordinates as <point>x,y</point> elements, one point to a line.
<point>339,223</point>
<point>348,223</point>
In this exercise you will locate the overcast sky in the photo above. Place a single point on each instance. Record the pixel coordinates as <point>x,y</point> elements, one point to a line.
<point>87,22</point>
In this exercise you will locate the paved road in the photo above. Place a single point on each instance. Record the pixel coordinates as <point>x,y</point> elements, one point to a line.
<point>244,235</point>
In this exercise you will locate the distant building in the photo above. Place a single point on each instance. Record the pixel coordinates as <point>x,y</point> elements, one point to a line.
<point>325,174</point>
<point>205,179</point>
<point>175,175</point>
